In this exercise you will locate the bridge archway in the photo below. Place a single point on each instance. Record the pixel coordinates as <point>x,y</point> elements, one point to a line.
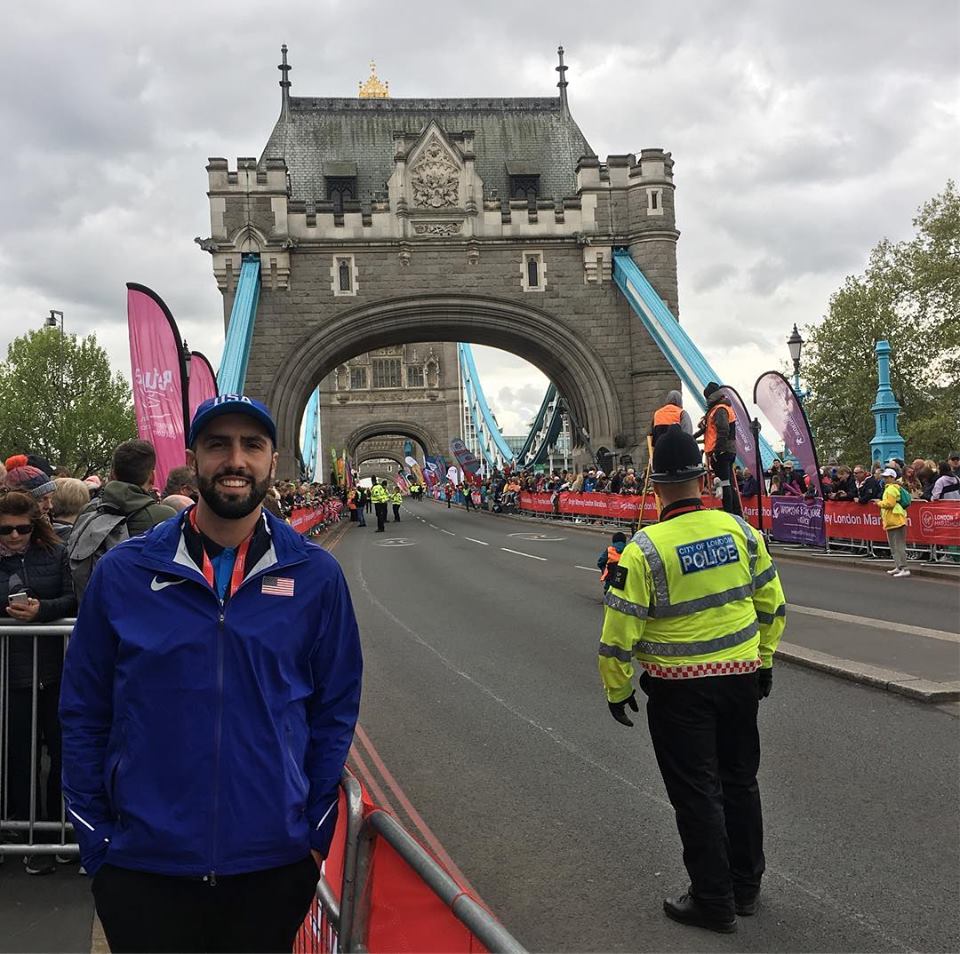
<point>379,455</point>
<point>427,440</point>
<point>531,333</point>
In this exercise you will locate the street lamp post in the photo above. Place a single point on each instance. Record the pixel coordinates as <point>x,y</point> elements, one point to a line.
<point>795,344</point>
<point>53,320</point>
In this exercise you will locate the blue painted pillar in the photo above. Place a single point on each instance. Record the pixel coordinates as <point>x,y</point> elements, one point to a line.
<point>887,441</point>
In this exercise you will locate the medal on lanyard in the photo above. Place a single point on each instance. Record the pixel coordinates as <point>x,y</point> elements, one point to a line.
<point>239,564</point>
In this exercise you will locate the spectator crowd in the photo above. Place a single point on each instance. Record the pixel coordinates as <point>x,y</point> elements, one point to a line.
<point>923,479</point>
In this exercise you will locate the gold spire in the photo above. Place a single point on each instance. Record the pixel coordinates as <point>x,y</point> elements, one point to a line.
<point>374,88</point>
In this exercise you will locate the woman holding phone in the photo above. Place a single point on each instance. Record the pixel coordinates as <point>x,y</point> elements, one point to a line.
<point>35,587</point>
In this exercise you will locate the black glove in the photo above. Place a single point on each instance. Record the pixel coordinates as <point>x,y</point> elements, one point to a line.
<point>764,682</point>
<point>618,709</point>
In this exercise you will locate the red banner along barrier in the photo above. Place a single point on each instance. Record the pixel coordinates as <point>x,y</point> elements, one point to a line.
<point>928,524</point>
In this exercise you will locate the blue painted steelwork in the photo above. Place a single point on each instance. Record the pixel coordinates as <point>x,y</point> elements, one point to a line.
<point>678,348</point>
<point>236,349</point>
<point>311,439</point>
<point>887,441</point>
<point>546,429</point>
<point>493,448</point>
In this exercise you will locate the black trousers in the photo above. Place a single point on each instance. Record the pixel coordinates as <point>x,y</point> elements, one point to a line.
<point>396,513</point>
<point>705,736</point>
<point>48,734</point>
<point>722,465</point>
<point>381,509</point>
<point>260,911</point>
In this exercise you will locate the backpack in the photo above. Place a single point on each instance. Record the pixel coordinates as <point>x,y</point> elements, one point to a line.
<point>93,534</point>
<point>905,498</point>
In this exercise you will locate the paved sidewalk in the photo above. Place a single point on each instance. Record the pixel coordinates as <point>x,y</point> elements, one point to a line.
<point>44,912</point>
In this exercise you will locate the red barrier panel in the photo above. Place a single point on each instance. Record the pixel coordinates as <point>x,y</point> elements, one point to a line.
<point>305,519</point>
<point>936,523</point>
<point>406,915</point>
<point>403,914</point>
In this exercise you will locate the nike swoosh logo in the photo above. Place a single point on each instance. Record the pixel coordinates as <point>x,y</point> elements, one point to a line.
<point>156,585</point>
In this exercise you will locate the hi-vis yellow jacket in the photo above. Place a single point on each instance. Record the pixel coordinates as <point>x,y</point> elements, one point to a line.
<point>378,494</point>
<point>701,598</point>
<point>396,497</point>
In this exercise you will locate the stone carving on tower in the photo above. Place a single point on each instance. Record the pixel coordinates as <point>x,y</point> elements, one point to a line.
<point>435,177</point>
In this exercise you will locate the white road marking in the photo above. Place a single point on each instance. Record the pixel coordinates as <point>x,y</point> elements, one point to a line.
<point>477,541</point>
<point>448,532</point>
<point>520,553</point>
<point>874,623</point>
<point>592,569</point>
<point>434,526</point>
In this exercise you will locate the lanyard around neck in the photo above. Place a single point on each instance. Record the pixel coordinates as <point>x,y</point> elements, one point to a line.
<point>239,564</point>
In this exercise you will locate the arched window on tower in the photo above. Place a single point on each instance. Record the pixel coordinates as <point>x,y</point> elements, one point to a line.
<point>525,187</point>
<point>343,274</point>
<point>340,189</point>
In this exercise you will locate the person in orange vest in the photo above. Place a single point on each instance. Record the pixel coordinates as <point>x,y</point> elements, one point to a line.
<point>718,428</point>
<point>671,412</point>
<point>610,558</point>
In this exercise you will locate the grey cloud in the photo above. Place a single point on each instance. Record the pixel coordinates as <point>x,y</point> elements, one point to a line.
<point>713,276</point>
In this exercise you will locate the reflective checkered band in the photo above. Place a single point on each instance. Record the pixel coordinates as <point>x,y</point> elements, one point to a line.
<point>728,667</point>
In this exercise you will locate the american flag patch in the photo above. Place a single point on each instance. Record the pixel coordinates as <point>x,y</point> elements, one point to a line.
<point>277,586</point>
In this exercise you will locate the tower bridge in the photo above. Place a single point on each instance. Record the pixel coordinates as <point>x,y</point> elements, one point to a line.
<point>387,230</point>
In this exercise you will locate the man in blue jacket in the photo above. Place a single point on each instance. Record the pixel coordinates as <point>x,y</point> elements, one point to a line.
<point>210,693</point>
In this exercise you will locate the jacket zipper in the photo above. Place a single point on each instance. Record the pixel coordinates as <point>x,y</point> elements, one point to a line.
<point>211,877</point>
<point>217,739</point>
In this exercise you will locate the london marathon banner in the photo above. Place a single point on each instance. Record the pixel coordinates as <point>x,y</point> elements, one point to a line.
<point>416,470</point>
<point>159,373</point>
<point>465,458</point>
<point>774,396</point>
<point>202,384</point>
<point>798,520</point>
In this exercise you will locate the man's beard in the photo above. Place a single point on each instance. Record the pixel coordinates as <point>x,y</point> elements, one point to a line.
<point>233,507</point>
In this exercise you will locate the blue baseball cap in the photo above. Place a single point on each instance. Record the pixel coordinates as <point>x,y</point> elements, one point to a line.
<point>231,404</point>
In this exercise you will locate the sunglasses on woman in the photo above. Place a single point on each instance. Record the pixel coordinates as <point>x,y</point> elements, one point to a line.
<point>22,528</point>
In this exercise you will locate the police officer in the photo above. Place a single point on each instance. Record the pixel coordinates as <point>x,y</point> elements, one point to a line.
<point>380,498</point>
<point>696,603</point>
<point>718,428</point>
<point>396,498</point>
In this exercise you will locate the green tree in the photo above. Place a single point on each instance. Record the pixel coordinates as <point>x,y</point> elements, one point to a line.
<point>910,296</point>
<point>59,399</point>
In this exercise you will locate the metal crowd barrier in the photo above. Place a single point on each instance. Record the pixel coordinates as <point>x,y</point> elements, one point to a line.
<point>18,835</point>
<point>343,927</point>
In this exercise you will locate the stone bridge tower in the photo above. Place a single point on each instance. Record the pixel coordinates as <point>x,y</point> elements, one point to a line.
<point>388,229</point>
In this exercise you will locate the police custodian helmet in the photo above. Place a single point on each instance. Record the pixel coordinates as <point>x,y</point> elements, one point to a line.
<point>676,458</point>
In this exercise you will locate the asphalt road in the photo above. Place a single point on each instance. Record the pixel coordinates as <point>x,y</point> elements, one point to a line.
<point>482,699</point>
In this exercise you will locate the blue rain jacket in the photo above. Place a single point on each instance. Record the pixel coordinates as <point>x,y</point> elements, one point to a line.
<point>203,738</point>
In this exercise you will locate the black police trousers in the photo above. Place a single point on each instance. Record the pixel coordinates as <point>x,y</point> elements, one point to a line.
<point>722,465</point>
<point>381,509</point>
<point>259,911</point>
<point>705,737</point>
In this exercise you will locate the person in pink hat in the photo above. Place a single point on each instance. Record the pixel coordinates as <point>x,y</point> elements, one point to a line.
<point>30,480</point>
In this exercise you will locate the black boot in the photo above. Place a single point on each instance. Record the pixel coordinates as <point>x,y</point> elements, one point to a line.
<point>748,904</point>
<point>687,910</point>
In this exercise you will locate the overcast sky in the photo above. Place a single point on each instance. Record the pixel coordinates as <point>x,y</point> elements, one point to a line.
<point>801,133</point>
